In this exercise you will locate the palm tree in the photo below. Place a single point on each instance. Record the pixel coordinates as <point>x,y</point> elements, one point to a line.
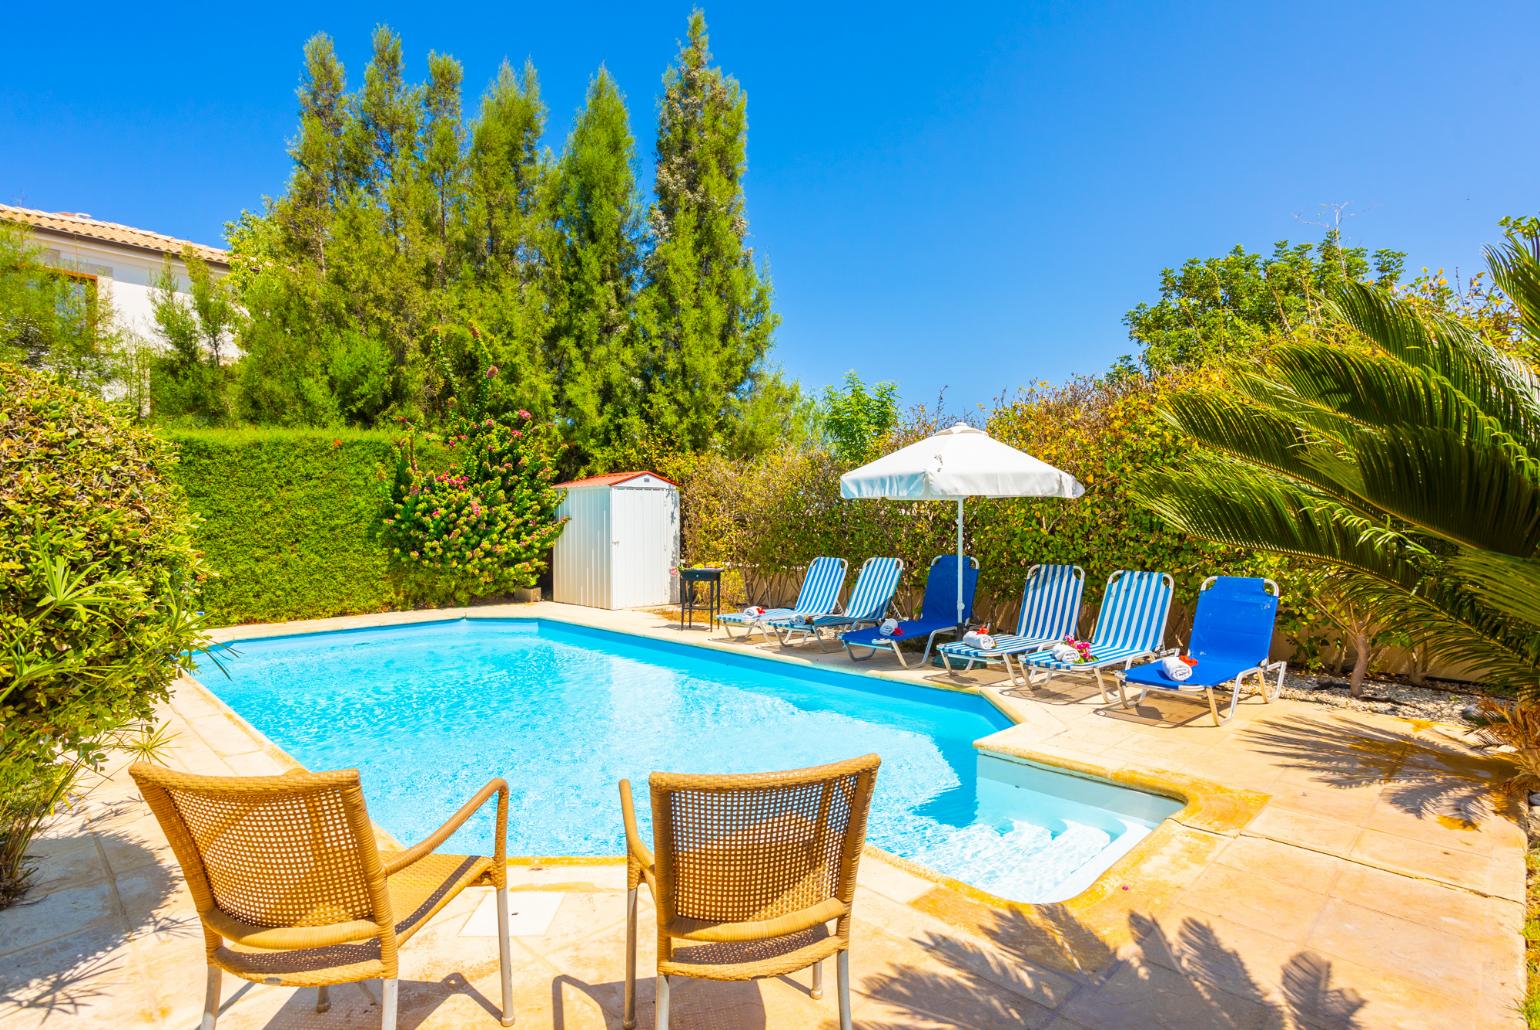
<point>1402,452</point>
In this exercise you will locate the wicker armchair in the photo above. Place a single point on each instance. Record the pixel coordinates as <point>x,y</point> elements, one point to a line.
<point>292,889</point>
<point>750,872</point>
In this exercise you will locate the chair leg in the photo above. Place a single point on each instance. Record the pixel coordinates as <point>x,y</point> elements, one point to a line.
<point>628,1017</point>
<point>323,998</point>
<point>1101,686</point>
<point>660,1003</point>
<point>842,973</point>
<point>817,980</point>
<point>211,997</point>
<point>504,958</point>
<point>388,1003</point>
<point>1212,707</point>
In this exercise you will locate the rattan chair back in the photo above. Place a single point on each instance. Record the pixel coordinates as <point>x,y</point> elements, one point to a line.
<point>295,850</point>
<point>758,846</point>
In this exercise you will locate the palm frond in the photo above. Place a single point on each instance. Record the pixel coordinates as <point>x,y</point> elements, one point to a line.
<point>1259,436</point>
<point>1450,628</point>
<point>1235,505</point>
<point>1517,273</point>
<point>1507,583</point>
<point>1381,393</point>
<point>1489,379</point>
<point>1464,494</point>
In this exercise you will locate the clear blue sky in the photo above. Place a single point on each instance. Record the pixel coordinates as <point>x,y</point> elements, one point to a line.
<point>969,198</point>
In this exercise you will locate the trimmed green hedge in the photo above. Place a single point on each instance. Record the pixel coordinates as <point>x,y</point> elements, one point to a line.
<point>290,520</point>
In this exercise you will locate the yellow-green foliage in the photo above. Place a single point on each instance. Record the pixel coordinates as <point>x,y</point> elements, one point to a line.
<point>1105,434</point>
<point>774,513</point>
<point>290,521</point>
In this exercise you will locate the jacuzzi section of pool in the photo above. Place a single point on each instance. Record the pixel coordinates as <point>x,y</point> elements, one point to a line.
<point>428,712</point>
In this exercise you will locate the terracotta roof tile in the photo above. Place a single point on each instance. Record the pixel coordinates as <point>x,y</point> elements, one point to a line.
<point>88,228</point>
<point>614,479</point>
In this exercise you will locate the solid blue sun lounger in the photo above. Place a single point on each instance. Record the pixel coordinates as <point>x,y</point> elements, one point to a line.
<point>820,595</point>
<point>938,613</point>
<point>1050,609</point>
<point>1232,638</point>
<point>1129,627</point>
<point>870,598</point>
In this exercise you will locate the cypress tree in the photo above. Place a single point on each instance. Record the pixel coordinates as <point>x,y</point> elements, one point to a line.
<point>506,235</point>
<point>442,165</point>
<point>592,275</point>
<point>705,307</point>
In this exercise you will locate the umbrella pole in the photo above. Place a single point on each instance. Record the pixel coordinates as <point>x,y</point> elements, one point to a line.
<point>959,567</point>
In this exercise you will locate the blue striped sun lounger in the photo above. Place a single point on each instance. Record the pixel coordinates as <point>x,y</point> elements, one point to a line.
<point>820,595</point>
<point>1130,627</point>
<point>1050,611</point>
<point>938,613</point>
<point>870,598</point>
<point>1232,640</point>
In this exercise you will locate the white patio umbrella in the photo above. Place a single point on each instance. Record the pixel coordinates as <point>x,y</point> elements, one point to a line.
<point>957,463</point>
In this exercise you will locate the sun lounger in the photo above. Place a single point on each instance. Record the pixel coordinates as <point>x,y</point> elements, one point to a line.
<point>1129,628</point>
<point>819,595</point>
<point>870,598</point>
<point>1232,638</point>
<point>1050,611</point>
<point>938,613</point>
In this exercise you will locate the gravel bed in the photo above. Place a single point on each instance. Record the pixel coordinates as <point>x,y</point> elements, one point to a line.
<point>1388,697</point>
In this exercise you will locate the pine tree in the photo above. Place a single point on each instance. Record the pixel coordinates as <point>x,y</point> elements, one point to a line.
<point>318,152</point>
<point>705,308</point>
<point>592,276</point>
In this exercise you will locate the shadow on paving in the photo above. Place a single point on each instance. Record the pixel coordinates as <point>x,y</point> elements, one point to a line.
<point>1186,976</point>
<point>358,1005</point>
<point>83,967</point>
<point>1422,776</point>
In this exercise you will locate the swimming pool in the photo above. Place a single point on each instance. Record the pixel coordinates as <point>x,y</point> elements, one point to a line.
<point>428,712</point>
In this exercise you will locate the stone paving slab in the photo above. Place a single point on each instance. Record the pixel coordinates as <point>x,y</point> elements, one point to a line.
<point>1350,872</point>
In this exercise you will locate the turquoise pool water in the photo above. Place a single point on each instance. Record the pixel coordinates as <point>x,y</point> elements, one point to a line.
<point>429,712</point>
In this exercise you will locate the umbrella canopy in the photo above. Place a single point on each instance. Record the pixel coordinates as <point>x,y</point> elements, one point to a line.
<point>956,463</point>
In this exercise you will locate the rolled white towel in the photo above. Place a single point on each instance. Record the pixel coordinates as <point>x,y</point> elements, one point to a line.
<point>887,627</point>
<point>985,642</point>
<point>1175,668</point>
<point>972,638</point>
<point>1065,653</point>
<point>754,611</point>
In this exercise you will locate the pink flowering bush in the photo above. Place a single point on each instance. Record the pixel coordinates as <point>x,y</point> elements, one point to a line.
<point>487,524</point>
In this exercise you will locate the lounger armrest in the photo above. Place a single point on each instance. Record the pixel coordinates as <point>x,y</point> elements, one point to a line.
<point>639,859</point>
<point>428,845</point>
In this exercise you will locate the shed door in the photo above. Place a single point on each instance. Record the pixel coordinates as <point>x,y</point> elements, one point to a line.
<point>643,526</point>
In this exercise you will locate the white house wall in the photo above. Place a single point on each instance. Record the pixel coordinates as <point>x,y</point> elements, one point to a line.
<point>125,278</point>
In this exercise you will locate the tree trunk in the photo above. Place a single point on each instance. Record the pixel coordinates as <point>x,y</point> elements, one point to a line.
<point>1360,664</point>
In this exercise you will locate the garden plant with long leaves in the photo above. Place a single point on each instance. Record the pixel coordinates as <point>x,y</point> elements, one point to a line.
<point>1399,449</point>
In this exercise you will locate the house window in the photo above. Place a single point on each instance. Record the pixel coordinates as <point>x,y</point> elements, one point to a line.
<point>76,301</point>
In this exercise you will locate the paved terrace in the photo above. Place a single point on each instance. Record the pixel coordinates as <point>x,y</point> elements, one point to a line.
<point>1332,869</point>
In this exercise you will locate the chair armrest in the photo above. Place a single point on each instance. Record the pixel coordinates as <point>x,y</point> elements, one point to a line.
<point>638,856</point>
<point>429,844</point>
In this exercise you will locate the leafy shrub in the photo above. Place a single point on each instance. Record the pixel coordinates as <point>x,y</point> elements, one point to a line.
<point>487,524</point>
<point>291,519</point>
<point>769,516</point>
<point>96,606</point>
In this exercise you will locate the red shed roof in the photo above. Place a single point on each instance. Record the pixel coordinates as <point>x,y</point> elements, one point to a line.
<point>614,479</point>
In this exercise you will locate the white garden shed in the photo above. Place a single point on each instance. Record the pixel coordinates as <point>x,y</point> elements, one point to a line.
<point>621,545</point>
